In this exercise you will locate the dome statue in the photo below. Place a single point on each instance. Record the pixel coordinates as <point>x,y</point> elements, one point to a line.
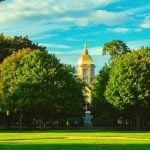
<point>85,58</point>
<point>85,66</point>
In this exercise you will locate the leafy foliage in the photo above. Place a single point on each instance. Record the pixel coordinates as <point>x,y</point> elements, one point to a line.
<point>102,111</point>
<point>8,45</point>
<point>129,81</point>
<point>37,81</point>
<point>115,47</point>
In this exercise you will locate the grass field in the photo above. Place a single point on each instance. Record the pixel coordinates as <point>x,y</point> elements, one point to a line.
<point>74,140</point>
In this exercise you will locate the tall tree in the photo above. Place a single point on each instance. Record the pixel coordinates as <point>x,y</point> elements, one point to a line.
<point>115,47</point>
<point>37,81</point>
<point>129,82</point>
<point>103,112</point>
<point>8,45</point>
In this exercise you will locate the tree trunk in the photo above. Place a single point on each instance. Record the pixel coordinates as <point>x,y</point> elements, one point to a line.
<point>7,122</point>
<point>21,121</point>
<point>138,125</point>
<point>40,124</point>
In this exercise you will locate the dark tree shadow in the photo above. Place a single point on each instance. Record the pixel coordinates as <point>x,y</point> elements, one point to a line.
<point>75,147</point>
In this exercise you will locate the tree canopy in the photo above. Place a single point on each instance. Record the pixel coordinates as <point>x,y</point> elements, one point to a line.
<point>129,81</point>
<point>8,45</point>
<point>37,81</point>
<point>115,47</point>
<point>101,109</point>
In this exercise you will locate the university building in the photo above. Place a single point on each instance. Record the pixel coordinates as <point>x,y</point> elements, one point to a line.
<point>86,72</point>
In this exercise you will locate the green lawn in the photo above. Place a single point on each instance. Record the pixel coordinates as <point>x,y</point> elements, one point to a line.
<point>74,140</point>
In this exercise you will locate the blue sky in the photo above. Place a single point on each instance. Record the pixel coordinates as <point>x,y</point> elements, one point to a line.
<point>63,26</point>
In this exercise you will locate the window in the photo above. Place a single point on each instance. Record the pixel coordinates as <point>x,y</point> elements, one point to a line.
<point>85,75</point>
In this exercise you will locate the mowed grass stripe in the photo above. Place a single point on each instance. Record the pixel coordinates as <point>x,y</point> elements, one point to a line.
<point>75,140</point>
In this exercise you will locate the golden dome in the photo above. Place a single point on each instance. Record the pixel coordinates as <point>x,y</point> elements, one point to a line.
<point>85,58</point>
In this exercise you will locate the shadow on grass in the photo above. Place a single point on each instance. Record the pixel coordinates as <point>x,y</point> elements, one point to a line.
<point>33,139</point>
<point>74,131</point>
<point>75,147</point>
<point>78,129</point>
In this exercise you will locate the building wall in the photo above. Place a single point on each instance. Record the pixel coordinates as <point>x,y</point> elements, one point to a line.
<point>86,72</point>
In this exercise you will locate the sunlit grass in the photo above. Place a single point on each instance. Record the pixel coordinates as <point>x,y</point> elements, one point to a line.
<point>75,140</point>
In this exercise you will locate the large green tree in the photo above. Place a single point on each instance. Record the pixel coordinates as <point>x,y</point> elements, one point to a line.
<point>8,45</point>
<point>129,82</point>
<point>115,47</point>
<point>37,81</point>
<point>103,112</point>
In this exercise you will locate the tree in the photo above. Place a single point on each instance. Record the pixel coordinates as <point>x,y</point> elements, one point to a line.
<point>115,47</point>
<point>145,48</point>
<point>70,94</point>
<point>102,111</point>
<point>129,80</point>
<point>8,45</point>
<point>37,81</point>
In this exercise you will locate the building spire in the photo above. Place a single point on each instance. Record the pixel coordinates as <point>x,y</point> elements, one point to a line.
<point>85,48</point>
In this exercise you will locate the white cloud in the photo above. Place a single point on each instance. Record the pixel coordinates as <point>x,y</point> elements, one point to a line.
<point>27,18</point>
<point>138,11</point>
<point>43,36</point>
<point>138,43</point>
<point>20,17</point>
<point>95,50</point>
<point>50,45</point>
<point>21,9</point>
<point>119,30</point>
<point>124,30</point>
<point>137,30</point>
<point>80,39</point>
<point>91,50</point>
<point>145,24</point>
<point>108,18</point>
<point>74,39</point>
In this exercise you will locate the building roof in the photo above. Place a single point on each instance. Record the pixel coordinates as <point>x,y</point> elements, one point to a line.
<point>85,58</point>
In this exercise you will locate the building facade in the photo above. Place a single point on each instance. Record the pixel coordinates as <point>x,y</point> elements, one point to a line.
<point>86,72</point>
<point>86,67</point>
